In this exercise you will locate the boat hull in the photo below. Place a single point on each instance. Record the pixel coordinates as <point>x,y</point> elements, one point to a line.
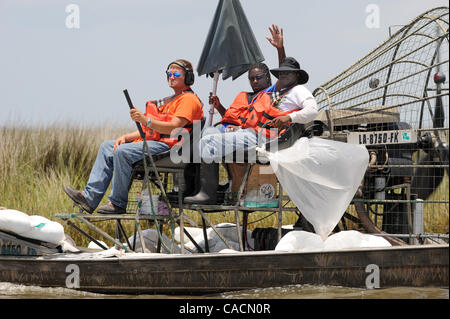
<point>415,266</point>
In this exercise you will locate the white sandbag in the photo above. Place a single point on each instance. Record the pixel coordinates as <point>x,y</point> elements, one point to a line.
<point>151,242</point>
<point>193,231</point>
<point>200,240</point>
<point>93,245</point>
<point>68,247</point>
<point>299,240</point>
<point>220,245</point>
<point>45,230</point>
<point>354,239</point>
<point>228,251</point>
<point>14,221</point>
<point>321,177</point>
<point>228,231</point>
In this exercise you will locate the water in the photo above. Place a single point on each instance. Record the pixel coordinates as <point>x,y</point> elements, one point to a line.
<point>13,291</point>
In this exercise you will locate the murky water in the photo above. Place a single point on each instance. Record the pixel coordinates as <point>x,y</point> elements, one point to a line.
<point>13,291</point>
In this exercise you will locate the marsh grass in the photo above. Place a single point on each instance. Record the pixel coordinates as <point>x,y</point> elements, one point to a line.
<point>36,163</point>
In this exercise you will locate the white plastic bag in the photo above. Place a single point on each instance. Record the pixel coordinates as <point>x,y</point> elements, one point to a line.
<point>321,177</point>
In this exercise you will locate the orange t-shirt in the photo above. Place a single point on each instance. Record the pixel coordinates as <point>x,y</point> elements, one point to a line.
<point>186,105</point>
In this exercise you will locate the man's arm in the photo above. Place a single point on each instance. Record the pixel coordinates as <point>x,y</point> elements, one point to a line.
<point>167,127</point>
<point>277,41</point>
<point>126,138</point>
<point>157,125</point>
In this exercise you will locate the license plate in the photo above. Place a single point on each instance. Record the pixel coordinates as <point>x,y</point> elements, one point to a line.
<point>382,137</point>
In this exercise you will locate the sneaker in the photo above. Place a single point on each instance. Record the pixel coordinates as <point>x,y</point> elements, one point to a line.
<point>78,198</point>
<point>110,208</point>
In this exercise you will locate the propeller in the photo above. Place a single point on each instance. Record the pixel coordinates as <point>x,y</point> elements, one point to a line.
<point>426,179</point>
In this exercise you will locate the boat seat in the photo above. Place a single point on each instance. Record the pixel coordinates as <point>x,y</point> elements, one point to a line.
<point>163,162</point>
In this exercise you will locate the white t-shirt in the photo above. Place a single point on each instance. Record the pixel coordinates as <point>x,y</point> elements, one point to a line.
<point>299,97</point>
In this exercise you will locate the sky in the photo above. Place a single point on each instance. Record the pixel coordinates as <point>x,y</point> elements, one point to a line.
<point>68,62</point>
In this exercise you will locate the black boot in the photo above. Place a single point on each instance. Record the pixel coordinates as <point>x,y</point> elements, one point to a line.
<point>191,185</point>
<point>191,178</point>
<point>209,181</point>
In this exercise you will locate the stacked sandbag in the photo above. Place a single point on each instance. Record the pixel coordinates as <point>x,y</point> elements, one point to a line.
<point>151,242</point>
<point>215,243</point>
<point>302,241</point>
<point>14,221</point>
<point>33,227</point>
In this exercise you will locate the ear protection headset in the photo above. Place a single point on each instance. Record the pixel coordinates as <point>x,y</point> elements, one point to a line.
<point>189,74</point>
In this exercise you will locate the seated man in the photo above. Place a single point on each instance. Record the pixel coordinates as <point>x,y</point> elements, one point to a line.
<point>115,158</point>
<point>246,115</point>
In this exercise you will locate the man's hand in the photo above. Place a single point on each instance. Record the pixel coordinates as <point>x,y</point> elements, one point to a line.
<point>281,121</point>
<point>214,101</point>
<point>137,116</point>
<point>277,36</point>
<point>119,141</point>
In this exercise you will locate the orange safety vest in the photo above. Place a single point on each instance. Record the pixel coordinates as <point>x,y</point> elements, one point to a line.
<point>254,115</point>
<point>234,113</point>
<point>152,110</point>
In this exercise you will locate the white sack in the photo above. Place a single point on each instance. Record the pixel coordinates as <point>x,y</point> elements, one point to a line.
<point>14,221</point>
<point>299,240</point>
<point>193,231</point>
<point>321,177</point>
<point>215,243</point>
<point>93,245</point>
<point>354,239</point>
<point>302,241</point>
<point>151,242</point>
<point>45,230</point>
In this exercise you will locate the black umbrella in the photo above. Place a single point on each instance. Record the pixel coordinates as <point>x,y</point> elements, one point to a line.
<point>230,47</point>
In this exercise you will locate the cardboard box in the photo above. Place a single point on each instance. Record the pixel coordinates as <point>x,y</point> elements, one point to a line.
<point>261,181</point>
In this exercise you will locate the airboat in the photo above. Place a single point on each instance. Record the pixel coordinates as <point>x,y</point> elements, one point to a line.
<point>393,101</point>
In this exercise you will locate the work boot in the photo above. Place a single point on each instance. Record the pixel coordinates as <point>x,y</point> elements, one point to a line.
<point>78,198</point>
<point>209,181</point>
<point>110,208</point>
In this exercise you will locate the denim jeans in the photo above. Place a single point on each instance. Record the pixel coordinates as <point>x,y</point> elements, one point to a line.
<point>115,167</point>
<point>216,144</point>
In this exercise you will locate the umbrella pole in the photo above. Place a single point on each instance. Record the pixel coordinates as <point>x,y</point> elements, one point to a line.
<point>211,110</point>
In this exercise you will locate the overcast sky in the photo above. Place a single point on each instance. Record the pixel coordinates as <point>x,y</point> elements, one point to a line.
<point>53,72</point>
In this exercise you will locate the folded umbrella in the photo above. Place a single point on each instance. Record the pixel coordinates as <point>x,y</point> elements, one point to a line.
<point>230,47</point>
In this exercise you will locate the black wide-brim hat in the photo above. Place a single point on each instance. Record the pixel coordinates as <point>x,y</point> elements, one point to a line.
<point>291,64</point>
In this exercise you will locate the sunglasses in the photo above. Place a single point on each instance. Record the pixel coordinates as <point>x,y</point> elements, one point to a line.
<point>175,74</point>
<point>256,77</point>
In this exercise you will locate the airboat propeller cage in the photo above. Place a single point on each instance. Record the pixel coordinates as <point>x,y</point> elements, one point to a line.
<point>398,88</point>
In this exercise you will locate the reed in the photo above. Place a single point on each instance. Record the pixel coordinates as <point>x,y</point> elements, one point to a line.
<point>36,163</point>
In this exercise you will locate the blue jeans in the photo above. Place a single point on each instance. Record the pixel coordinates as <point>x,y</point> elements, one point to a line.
<point>116,166</point>
<point>216,144</point>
